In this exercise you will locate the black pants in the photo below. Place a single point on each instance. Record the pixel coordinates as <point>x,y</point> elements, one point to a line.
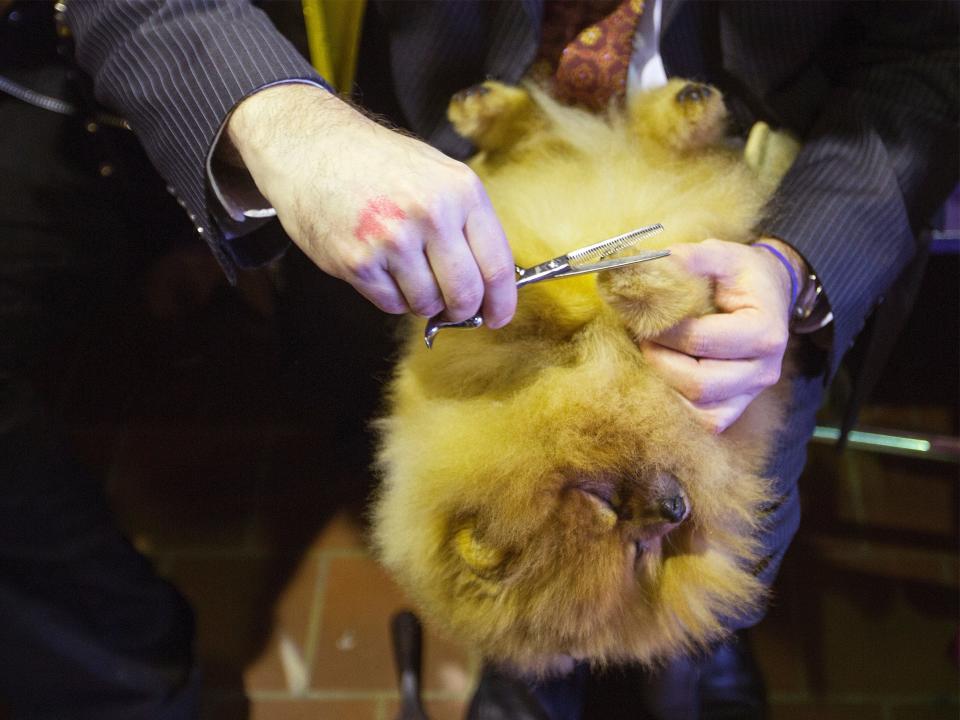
<point>87,630</point>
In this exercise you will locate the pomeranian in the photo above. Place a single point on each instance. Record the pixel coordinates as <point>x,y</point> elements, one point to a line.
<point>545,496</point>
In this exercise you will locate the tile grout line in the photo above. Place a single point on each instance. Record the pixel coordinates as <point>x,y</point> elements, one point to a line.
<point>315,621</point>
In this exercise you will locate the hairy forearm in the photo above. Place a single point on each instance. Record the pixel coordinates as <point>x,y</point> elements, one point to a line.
<point>271,127</point>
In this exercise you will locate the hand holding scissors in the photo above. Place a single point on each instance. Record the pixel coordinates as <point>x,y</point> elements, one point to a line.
<point>589,259</point>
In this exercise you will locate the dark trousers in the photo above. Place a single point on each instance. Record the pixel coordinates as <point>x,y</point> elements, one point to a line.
<point>87,629</point>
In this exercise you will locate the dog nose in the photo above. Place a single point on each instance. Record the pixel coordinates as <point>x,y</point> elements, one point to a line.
<point>694,92</point>
<point>673,508</point>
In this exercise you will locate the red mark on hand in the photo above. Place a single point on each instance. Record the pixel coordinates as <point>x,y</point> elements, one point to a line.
<point>370,221</point>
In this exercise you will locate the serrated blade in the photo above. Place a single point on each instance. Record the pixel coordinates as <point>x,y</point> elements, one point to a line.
<point>611,246</point>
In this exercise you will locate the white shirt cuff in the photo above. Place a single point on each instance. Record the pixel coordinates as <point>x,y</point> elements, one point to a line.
<point>233,187</point>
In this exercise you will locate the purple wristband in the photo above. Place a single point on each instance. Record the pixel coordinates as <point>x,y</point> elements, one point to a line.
<point>794,280</point>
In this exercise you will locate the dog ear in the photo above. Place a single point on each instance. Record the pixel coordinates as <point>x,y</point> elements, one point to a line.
<point>481,558</point>
<point>493,115</point>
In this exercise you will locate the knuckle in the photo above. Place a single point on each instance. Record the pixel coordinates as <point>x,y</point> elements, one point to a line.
<point>385,300</point>
<point>399,243</point>
<point>698,344</point>
<point>426,306</point>
<point>774,344</point>
<point>770,376</point>
<point>394,307</point>
<point>501,274</point>
<point>468,183</point>
<point>428,212</point>
<point>360,267</point>
<point>464,302</point>
<point>465,175</point>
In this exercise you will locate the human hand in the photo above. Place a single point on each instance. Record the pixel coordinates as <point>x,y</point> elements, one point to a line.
<point>410,228</point>
<point>720,362</point>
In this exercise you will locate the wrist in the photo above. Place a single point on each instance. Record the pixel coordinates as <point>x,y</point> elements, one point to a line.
<point>795,259</point>
<point>788,267</point>
<point>271,126</point>
<point>809,309</point>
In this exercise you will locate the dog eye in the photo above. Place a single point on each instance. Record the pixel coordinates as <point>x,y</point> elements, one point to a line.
<point>603,500</point>
<point>600,493</point>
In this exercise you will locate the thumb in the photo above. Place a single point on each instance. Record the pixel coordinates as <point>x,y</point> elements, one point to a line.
<point>712,259</point>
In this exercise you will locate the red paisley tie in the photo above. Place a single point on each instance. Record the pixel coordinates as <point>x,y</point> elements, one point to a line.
<point>592,69</point>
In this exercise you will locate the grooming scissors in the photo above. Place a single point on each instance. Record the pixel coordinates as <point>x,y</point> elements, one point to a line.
<point>589,259</point>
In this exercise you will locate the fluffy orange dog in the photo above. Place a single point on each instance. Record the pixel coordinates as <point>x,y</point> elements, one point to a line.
<point>545,495</point>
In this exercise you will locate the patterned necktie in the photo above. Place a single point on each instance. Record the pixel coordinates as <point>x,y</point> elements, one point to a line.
<point>592,69</point>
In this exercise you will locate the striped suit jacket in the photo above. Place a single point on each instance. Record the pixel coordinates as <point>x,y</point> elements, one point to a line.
<point>870,86</point>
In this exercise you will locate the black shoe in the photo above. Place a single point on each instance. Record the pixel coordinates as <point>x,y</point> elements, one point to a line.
<point>503,697</point>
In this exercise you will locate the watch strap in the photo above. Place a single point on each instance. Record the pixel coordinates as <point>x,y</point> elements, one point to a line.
<point>811,311</point>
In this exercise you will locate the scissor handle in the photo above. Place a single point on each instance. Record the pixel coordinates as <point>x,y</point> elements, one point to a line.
<point>435,325</point>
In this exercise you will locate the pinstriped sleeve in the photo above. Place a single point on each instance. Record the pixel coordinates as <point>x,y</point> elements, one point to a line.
<point>880,158</point>
<point>175,69</point>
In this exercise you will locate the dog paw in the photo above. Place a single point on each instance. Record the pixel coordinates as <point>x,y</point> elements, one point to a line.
<point>650,300</point>
<point>682,115</point>
<point>493,115</point>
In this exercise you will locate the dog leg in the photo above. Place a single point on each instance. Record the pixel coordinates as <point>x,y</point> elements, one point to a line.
<point>652,297</point>
<point>494,116</point>
<point>683,116</point>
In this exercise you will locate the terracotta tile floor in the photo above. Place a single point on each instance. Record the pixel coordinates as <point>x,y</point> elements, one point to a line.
<point>292,611</point>
<point>322,649</point>
<point>236,461</point>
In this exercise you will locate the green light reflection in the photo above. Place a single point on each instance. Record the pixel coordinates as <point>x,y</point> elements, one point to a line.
<point>880,440</point>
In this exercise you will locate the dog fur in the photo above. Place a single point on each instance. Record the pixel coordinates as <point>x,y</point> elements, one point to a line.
<point>544,494</point>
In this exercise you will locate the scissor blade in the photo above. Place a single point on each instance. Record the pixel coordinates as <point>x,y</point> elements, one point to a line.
<point>615,263</point>
<point>605,248</point>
